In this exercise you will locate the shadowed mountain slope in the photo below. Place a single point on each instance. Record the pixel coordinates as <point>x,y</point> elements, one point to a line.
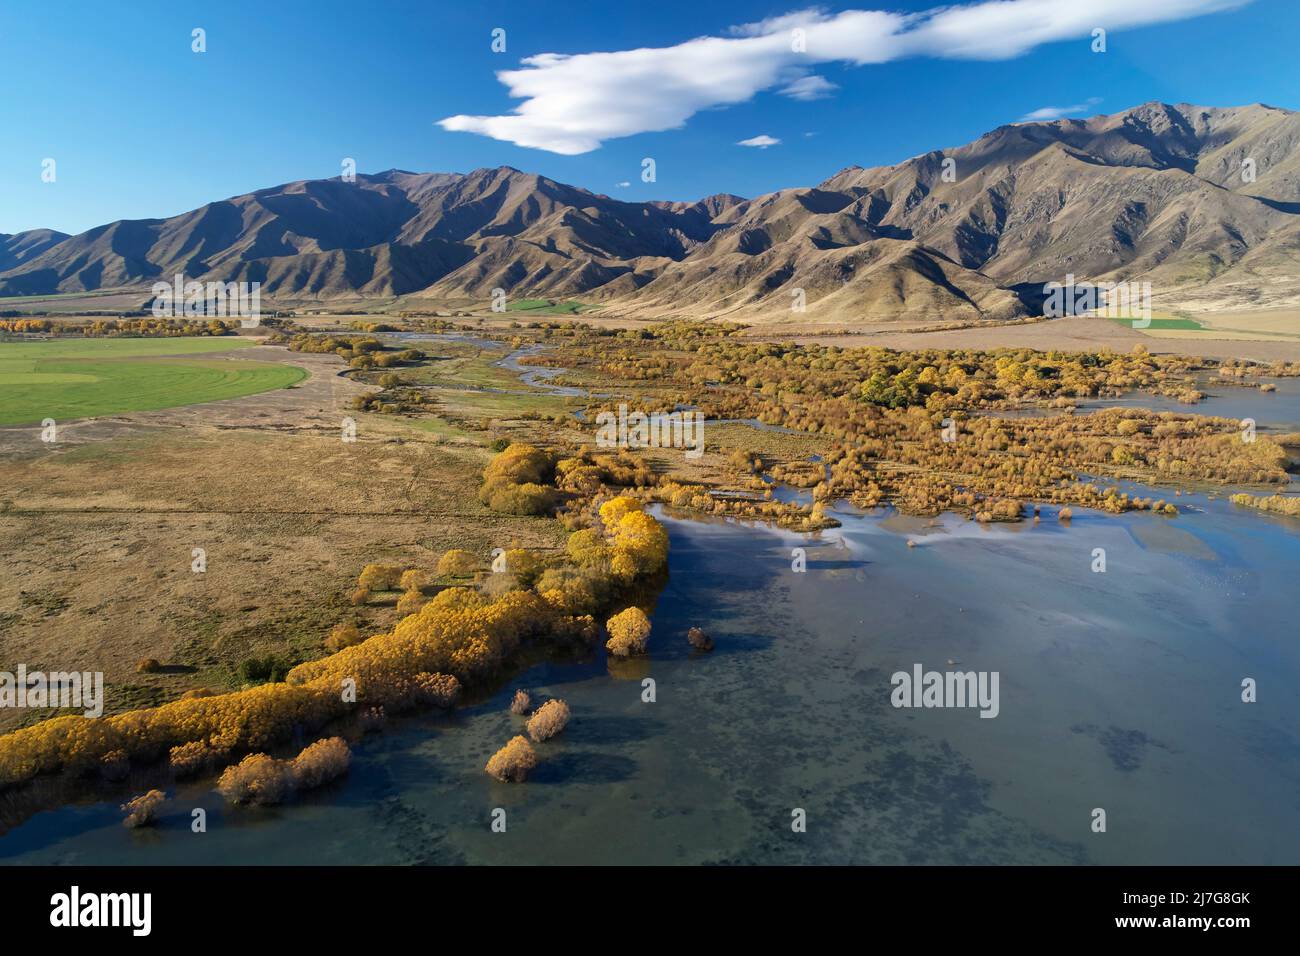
<point>1203,202</point>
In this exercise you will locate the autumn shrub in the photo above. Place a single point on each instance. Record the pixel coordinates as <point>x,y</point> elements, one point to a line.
<point>548,720</point>
<point>257,779</point>
<point>423,690</point>
<point>513,762</point>
<point>457,563</point>
<point>522,499</point>
<point>516,481</point>
<point>193,758</point>
<point>615,509</point>
<point>142,810</point>
<point>468,642</point>
<point>629,631</point>
<point>379,577</point>
<point>521,703</point>
<point>587,548</point>
<point>414,579</point>
<point>575,628</point>
<point>343,634</point>
<point>573,590</point>
<point>320,763</point>
<point>520,464</point>
<point>410,602</point>
<point>1279,504</point>
<point>458,599</point>
<point>525,565</point>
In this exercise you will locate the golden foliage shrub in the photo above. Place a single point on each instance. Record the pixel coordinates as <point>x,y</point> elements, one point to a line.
<point>467,642</point>
<point>379,577</point>
<point>320,763</point>
<point>342,635</point>
<point>551,718</point>
<point>414,579</point>
<point>193,758</point>
<point>457,563</point>
<point>257,779</point>
<point>523,499</point>
<point>513,762</point>
<point>573,590</point>
<point>410,602</point>
<point>515,481</point>
<point>629,631</point>
<point>521,703</point>
<point>142,810</point>
<point>1279,504</point>
<point>520,464</point>
<point>525,565</point>
<point>248,719</point>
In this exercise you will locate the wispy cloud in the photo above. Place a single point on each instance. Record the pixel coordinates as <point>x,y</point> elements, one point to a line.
<point>1057,112</point>
<point>573,103</point>
<point>812,87</point>
<point>762,142</point>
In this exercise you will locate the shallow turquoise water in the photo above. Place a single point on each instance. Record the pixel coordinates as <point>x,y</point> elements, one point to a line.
<point>1118,690</point>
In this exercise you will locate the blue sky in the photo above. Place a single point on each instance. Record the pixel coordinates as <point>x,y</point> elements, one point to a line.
<point>140,126</point>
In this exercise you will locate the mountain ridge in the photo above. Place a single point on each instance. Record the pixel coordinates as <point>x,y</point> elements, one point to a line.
<point>1156,192</point>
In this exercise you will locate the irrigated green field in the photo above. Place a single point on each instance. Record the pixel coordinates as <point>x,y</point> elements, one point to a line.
<point>82,378</point>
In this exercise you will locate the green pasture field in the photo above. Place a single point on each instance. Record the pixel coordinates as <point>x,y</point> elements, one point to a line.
<point>547,307</point>
<point>1179,323</point>
<point>84,378</point>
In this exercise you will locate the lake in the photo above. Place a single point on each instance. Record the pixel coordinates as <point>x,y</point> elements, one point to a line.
<point>1118,690</point>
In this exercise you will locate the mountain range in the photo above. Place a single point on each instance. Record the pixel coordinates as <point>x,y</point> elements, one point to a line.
<point>1203,202</point>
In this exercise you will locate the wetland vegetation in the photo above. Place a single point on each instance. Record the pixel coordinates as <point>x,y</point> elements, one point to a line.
<point>568,556</point>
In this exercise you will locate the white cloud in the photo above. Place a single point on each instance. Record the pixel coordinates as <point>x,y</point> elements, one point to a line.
<point>1057,112</point>
<point>809,88</point>
<point>573,103</point>
<point>762,142</point>
<point>623,185</point>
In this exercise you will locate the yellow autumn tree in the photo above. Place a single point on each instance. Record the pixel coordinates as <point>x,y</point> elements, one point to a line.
<point>457,563</point>
<point>629,631</point>
<point>414,579</point>
<point>379,577</point>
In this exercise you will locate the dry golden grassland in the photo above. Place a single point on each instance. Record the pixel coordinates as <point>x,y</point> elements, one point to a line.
<point>97,532</point>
